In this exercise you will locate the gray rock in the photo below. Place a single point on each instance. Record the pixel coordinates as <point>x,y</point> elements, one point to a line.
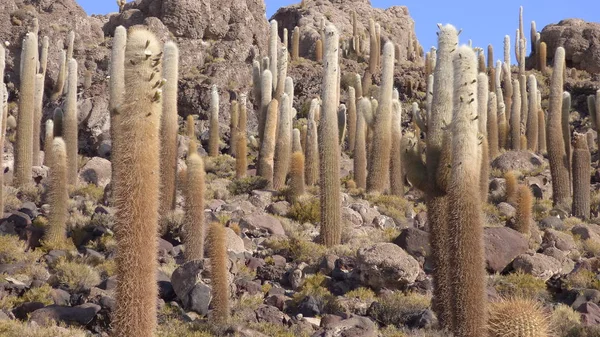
<point>587,231</point>
<point>502,246</point>
<point>263,222</point>
<point>309,307</point>
<point>81,314</point>
<point>355,326</point>
<point>386,265</point>
<point>280,208</point>
<point>560,240</point>
<point>552,222</point>
<point>507,210</point>
<point>523,161</point>
<point>269,314</point>
<point>580,39</point>
<point>415,242</point>
<point>538,265</point>
<point>191,291</point>
<point>97,171</point>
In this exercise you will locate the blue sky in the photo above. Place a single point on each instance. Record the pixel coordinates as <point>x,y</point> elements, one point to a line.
<point>484,24</point>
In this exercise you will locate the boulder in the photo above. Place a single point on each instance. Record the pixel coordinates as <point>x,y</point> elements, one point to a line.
<point>581,40</point>
<point>502,246</point>
<point>590,313</point>
<point>386,265</point>
<point>263,222</point>
<point>415,242</point>
<point>81,314</point>
<point>355,326</point>
<point>560,240</point>
<point>191,291</point>
<point>523,161</point>
<point>96,171</point>
<point>538,265</point>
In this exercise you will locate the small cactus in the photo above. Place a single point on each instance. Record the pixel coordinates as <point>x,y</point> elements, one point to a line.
<point>523,203</point>
<point>518,317</point>
<point>543,57</point>
<point>296,44</point>
<point>511,185</point>
<point>297,174</point>
<point>319,51</point>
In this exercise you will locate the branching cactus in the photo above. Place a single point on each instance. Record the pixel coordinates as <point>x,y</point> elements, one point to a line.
<point>267,146</point>
<point>136,187</point>
<point>193,236</point>
<point>168,128</point>
<point>382,138</point>
<point>532,115</point>
<point>283,144</point>
<point>213,140</point>
<point>70,126</point>
<point>464,203</point>
<point>219,264</point>
<point>56,234</point>
<point>329,149</point>
<point>557,155</point>
<point>311,151</point>
<point>24,141</point>
<point>581,177</point>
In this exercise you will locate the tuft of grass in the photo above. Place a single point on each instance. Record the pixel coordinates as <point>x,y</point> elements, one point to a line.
<point>223,166</point>
<point>75,275</point>
<point>298,249</point>
<point>16,328</point>
<point>520,285</point>
<point>306,209</point>
<point>90,192</point>
<point>564,319</point>
<point>30,192</point>
<point>395,308</point>
<point>362,293</point>
<point>393,206</point>
<point>582,279</point>
<point>247,185</point>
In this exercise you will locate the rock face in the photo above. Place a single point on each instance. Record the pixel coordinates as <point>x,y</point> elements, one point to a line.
<point>580,39</point>
<point>396,23</point>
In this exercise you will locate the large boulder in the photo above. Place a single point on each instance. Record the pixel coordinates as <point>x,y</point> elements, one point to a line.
<point>502,246</point>
<point>581,40</point>
<point>540,266</point>
<point>523,161</point>
<point>386,265</point>
<point>194,294</point>
<point>81,314</point>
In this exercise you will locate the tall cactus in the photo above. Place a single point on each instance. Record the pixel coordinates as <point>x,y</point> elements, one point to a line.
<point>233,127</point>
<point>62,75</point>
<point>241,158</point>
<point>372,47</point>
<point>56,234</point>
<point>193,236</point>
<point>524,203</point>
<point>566,130</point>
<point>581,177</point>
<point>116,86</point>
<point>543,57</point>
<point>281,73</point>
<point>360,149</point>
<point>524,108</point>
<point>265,100</point>
<point>557,155</point>
<point>213,140</point>
<point>482,114</point>
<point>267,146</point>
<point>492,125</point>
<point>273,50</point>
<point>168,128</point>
<point>396,176</point>
<point>24,141</point>
<point>136,188</point>
<point>219,272</point>
<point>311,151</point>
<point>283,144</point>
<point>329,149</point>
<point>297,174</point>
<point>532,115</point>
<point>351,118</point>
<point>382,139</point>
<point>515,118</point>
<point>256,82</point>
<point>541,125</point>
<point>48,139</point>
<point>296,44</point>
<point>464,204</point>
<point>70,126</point>
<point>37,118</point>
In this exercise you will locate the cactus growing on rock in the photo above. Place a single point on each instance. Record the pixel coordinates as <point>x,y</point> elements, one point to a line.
<point>329,149</point>
<point>193,236</point>
<point>136,188</point>
<point>541,125</point>
<point>37,118</point>
<point>168,128</point>
<point>543,57</point>
<point>24,141</point>
<point>281,73</point>
<point>557,155</point>
<point>566,130</point>
<point>581,177</point>
<point>70,125</point>
<point>62,75</point>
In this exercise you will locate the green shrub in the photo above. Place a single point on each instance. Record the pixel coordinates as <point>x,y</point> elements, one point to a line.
<point>520,285</point>
<point>76,276</point>
<point>306,209</point>
<point>89,192</point>
<point>564,319</point>
<point>247,185</point>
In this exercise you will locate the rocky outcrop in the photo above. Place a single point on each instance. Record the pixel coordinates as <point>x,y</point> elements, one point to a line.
<point>580,39</point>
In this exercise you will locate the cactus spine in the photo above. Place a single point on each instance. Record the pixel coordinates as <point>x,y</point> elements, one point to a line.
<point>24,141</point>
<point>351,118</point>
<point>524,203</point>
<point>267,146</point>
<point>283,145</point>
<point>116,85</point>
<point>213,140</point>
<point>273,50</point>
<point>311,151</point>
<point>492,125</point>
<point>396,176</point>
<point>219,272</point>
<point>56,235</point>
<point>136,188</point>
<point>532,115</point>
<point>518,317</point>
<point>168,128</point>
<point>241,158</point>
<point>581,177</point>
<point>515,118</point>
<point>70,123</point>
<point>267,95</point>
<point>464,204</point>
<point>557,155</point>
<point>382,139</point>
<point>194,208</point>
<point>329,149</point>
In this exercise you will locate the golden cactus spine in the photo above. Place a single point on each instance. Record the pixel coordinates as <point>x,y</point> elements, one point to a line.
<point>136,188</point>
<point>382,139</point>
<point>267,145</point>
<point>311,151</point>
<point>24,139</point>
<point>465,211</point>
<point>511,185</point>
<point>193,236</point>
<point>213,140</point>
<point>283,144</point>
<point>524,204</point>
<point>581,177</point>
<point>532,115</point>
<point>168,128</point>
<point>329,149</point>
<point>518,317</point>
<point>241,158</point>
<point>56,234</point>
<point>557,155</point>
<point>70,127</point>
<point>219,272</point>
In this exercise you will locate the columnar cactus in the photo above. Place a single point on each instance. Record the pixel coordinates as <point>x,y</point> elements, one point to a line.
<point>464,204</point>
<point>342,121</point>
<point>70,44</point>
<point>241,158</point>
<point>482,117</point>
<point>543,57</point>
<point>319,51</point>
<point>219,272</point>
<point>267,95</point>
<point>541,125</point>
<point>62,75</point>
<point>382,141</point>
<point>283,144</point>
<point>233,127</point>
<point>193,236</point>
<point>360,148</point>
<point>70,125</point>
<point>24,141</point>
<point>296,44</point>
<point>502,122</point>
<point>591,105</point>
<point>136,188</point>
<point>396,176</point>
<point>507,49</point>
<point>532,115</point>
<point>37,118</point>
<point>511,184</point>
<point>297,174</point>
<point>48,139</point>
<point>566,130</point>
<point>3,117</point>
<point>267,146</point>
<point>524,108</point>
<point>329,149</point>
<point>273,52</point>
<point>581,177</point>
<point>351,118</point>
<point>515,118</point>
<point>523,203</point>
<point>168,128</point>
<point>256,82</point>
<point>490,59</point>
<point>597,110</point>
<point>492,125</point>
<point>508,92</point>
<point>213,140</point>
<point>281,73</point>
<point>56,233</point>
<point>311,150</point>
<point>116,84</point>
<point>557,155</point>
<point>372,47</point>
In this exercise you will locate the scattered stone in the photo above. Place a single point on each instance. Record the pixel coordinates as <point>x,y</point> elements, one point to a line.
<point>263,222</point>
<point>538,265</point>
<point>386,265</point>
<point>502,246</point>
<point>81,314</point>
